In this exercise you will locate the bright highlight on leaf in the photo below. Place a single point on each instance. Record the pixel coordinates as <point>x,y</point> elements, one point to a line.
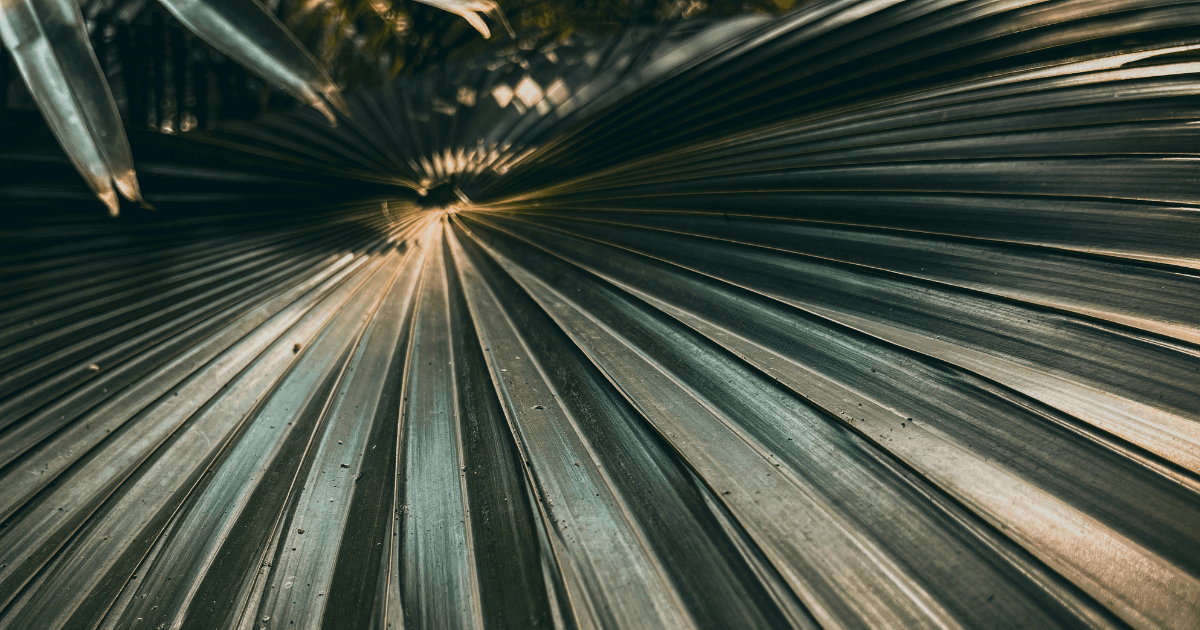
<point>470,10</point>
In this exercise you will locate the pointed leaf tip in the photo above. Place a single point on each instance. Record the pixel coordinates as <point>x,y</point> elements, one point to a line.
<point>334,95</point>
<point>469,10</point>
<point>320,105</point>
<point>109,199</point>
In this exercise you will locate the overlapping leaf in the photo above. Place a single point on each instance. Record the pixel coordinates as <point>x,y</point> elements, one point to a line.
<point>50,47</point>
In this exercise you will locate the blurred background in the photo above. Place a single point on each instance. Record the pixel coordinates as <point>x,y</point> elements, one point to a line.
<point>166,79</point>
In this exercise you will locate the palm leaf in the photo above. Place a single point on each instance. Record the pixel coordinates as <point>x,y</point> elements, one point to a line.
<point>50,46</point>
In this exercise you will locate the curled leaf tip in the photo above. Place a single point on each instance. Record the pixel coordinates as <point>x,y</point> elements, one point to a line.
<point>474,20</point>
<point>497,14</point>
<point>469,10</point>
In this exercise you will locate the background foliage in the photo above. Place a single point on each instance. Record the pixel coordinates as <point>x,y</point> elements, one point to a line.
<point>165,79</point>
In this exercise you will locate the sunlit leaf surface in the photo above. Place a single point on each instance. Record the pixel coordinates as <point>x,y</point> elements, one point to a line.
<point>880,314</point>
<point>469,10</point>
